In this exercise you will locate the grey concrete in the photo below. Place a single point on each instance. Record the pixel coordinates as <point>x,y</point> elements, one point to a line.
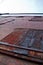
<point>18,23</point>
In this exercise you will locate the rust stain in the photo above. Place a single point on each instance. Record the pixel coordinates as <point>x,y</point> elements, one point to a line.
<point>13,37</point>
<point>29,38</point>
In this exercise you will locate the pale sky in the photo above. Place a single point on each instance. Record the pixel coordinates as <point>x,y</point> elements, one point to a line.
<point>21,6</point>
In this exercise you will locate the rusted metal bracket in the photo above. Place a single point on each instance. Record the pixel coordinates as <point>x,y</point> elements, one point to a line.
<point>21,47</point>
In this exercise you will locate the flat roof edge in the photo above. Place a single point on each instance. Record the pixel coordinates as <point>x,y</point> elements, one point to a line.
<point>21,14</point>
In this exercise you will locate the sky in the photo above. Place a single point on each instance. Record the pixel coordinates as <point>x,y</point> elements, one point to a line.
<point>21,6</point>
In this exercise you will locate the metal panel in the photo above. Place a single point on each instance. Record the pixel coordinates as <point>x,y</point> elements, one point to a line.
<point>24,44</point>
